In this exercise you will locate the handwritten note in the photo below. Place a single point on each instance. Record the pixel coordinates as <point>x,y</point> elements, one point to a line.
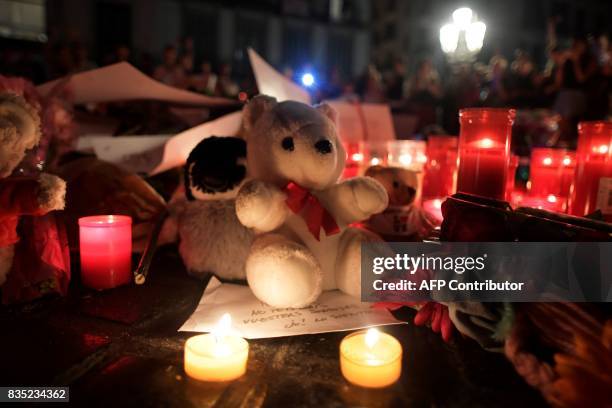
<point>334,311</point>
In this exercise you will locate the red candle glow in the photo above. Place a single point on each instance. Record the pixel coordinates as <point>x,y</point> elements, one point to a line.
<point>511,178</point>
<point>106,250</point>
<point>354,160</point>
<point>593,169</point>
<point>484,150</point>
<point>441,167</point>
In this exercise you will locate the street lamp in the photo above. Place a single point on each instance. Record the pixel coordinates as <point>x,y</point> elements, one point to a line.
<point>462,39</point>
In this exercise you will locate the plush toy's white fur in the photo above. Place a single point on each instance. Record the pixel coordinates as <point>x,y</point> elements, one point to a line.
<point>211,237</point>
<point>287,266</point>
<point>20,131</point>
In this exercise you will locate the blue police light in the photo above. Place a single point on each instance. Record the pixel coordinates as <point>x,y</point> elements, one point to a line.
<point>308,79</point>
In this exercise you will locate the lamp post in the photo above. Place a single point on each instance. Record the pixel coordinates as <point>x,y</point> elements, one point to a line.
<point>462,39</point>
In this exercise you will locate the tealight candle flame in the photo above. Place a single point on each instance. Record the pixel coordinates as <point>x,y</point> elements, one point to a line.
<point>567,161</point>
<point>547,161</point>
<point>371,337</point>
<point>220,332</point>
<point>357,157</point>
<point>405,159</point>
<point>375,161</point>
<point>551,198</point>
<point>603,149</point>
<point>223,327</point>
<point>485,143</point>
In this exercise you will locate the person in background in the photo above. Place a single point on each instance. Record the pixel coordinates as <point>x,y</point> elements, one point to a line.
<point>396,83</point>
<point>370,86</point>
<point>206,81</point>
<point>548,82</point>
<point>226,86</point>
<point>521,82</point>
<point>81,59</point>
<point>170,72</point>
<point>496,94</point>
<point>186,65</point>
<point>425,93</point>
<point>577,68</point>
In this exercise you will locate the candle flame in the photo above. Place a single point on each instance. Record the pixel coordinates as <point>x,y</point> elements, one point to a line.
<point>421,158</point>
<point>551,198</point>
<point>567,161</point>
<point>405,159</point>
<point>371,337</point>
<point>223,327</point>
<point>486,143</point>
<point>547,161</point>
<point>437,203</point>
<point>603,149</point>
<point>375,161</point>
<point>357,157</point>
<point>220,332</point>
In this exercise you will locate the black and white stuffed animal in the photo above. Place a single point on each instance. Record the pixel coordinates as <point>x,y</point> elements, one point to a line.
<point>204,218</point>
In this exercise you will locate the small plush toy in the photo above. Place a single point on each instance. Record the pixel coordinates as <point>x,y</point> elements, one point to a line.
<point>19,132</point>
<point>211,237</point>
<point>403,219</point>
<point>296,205</point>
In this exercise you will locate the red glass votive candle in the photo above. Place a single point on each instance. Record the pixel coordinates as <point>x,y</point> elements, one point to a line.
<point>484,151</point>
<point>568,168</point>
<point>511,177</point>
<point>593,169</point>
<point>106,250</point>
<point>441,167</point>
<point>355,157</point>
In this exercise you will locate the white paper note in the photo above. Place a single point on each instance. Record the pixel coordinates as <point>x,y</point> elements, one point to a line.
<point>122,82</point>
<point>177,149</point>
<point>272,83</point>
<point>359,122</point>
<point>252,319</point>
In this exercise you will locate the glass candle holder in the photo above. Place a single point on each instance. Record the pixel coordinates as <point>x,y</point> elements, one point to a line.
<point>545,171</point>
<point>410,155</point>
<point>105,243</point>
<point>511,177</point>
<point>371,359</point>
<point>355,159</point>
<point>484,151</point>
<point>592,182</point>
<point>441,168</point>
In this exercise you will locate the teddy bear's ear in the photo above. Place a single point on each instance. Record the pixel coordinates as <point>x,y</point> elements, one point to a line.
<point>255,109</point>
<point>328,111</point>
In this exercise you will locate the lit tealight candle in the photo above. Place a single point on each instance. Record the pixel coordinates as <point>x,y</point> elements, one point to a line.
<point>216,356</point>
<point>371,359</point>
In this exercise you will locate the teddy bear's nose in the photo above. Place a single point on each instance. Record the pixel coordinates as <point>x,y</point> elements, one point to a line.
<point>323,146</point>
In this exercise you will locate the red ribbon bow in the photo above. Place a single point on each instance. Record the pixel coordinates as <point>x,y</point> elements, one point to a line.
<point>300,200</point>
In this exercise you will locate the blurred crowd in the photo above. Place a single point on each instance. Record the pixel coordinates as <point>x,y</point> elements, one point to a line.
<point>574,82</point>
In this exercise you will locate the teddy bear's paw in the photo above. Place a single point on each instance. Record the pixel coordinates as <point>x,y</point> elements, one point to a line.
<point>52,192</point>
<point>348,263</point>
<point>283,273</point>
<point>261,206</point>
<point>370,195</point>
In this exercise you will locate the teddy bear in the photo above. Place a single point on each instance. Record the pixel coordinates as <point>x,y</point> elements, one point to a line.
<point>299,210</point>
<point>19,132</point>
<point>203,216</point>
<point>403,219</point>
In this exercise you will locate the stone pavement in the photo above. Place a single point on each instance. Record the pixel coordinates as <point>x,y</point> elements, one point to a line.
<point>121,348</point>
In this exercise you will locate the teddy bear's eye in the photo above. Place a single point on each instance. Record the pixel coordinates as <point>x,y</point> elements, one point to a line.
<point>287,144</point>
<point>396,184</point>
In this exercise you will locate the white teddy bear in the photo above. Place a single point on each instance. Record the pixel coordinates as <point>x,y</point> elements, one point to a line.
<point>297,207</point>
